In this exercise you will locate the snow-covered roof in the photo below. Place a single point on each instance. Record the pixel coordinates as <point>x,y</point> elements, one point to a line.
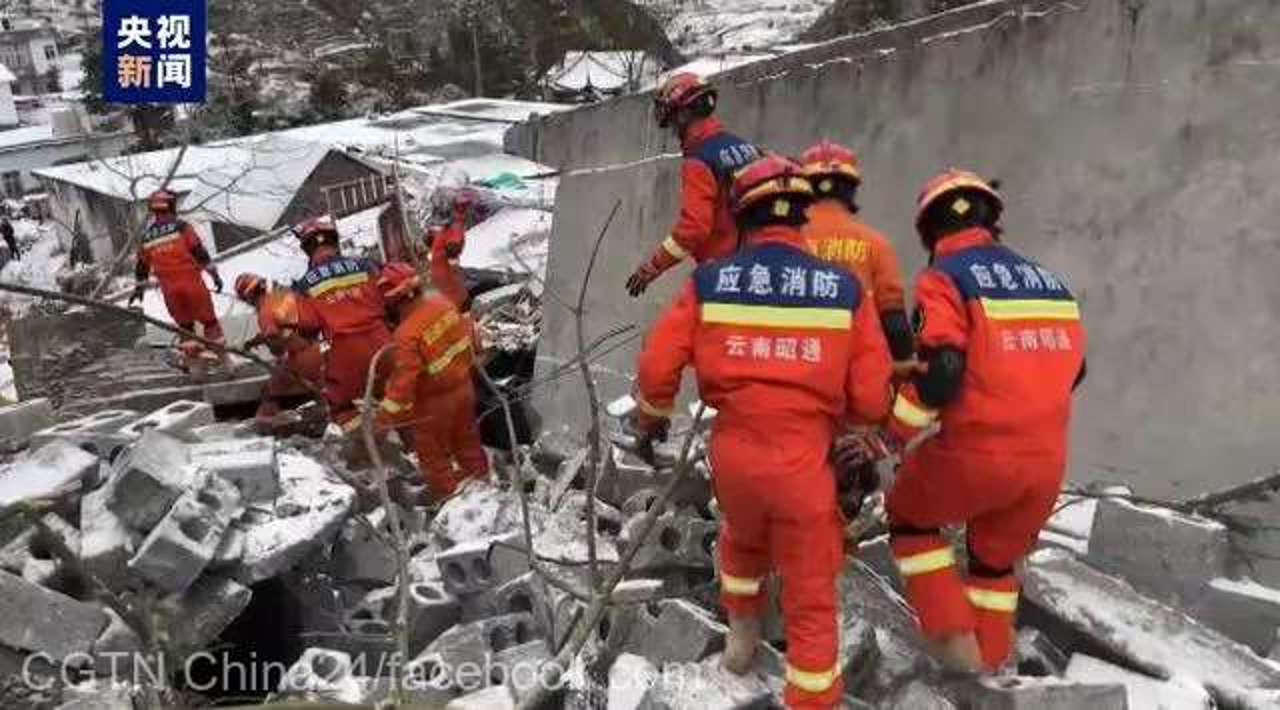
<point>246,181</point>
<point>15,137</point>
<point>6,76</point>
<point>606,71</point>
<point>282,260</point>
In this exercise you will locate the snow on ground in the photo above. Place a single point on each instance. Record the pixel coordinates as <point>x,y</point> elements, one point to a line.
<point>707,26</point>
<point>42,258</point>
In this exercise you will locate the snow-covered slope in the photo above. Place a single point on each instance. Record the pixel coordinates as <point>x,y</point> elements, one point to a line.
<point>700,27</point>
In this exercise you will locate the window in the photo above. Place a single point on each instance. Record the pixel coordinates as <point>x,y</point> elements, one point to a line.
<point>50,52</point>
<point>6,24</point>
<point>13,184</point>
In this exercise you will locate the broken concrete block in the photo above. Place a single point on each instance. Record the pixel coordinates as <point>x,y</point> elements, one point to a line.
<point>97,433</point>
<point>221,431</point>
<point>250,464</point>
<point>98,694</point>
<point>152,474</point>
<point>360,555</point>
<point>705,686</point>
<point>868,600</point>
<point>1037,654</point>
<point>484,564</point>
<point>623,474</point>
<point>106,542</point>
<point>241,391</point>
<point>116,648</point>
<point>519,668</point>
<point>19,421</point>
<point>1244,610</point>
<point>570,474</point>
<point>35,619</point>
<point>468,645</point>
<point>1143,691</point>
<point>46,472</point>
<point>674,631</point>
<point>630,677</point>
<point>875,553</point>
<point>206,610</point>
<point>322,674</point>
<point>674,540</point>
<point>1147,634</point>
<point>316,507</point>
<point>230,550</point>
<point>1022,693</point>
<point>14,554</point>
<point>181,545</point>
<point>54,533</point>
<point>1164,554</point>
<point>432,611</point>
<point>918,695</point>
<point>480,510</point>
<point>498,697</point>
<point>177,418</point>
<point>40,572</point>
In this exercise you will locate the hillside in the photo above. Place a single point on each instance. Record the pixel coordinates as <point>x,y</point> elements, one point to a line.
<point>711,26</point>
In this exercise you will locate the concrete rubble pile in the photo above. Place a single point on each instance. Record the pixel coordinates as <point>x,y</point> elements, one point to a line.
<point>1123,605</point>
<point>508,318</point>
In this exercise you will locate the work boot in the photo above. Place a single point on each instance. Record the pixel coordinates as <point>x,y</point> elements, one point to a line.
<point>958,653</point>
<point>741,643</point>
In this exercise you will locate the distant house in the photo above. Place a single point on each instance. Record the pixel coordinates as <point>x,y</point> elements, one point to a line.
<point>584,77</point>
<point>8,107</point>
<point>29,48</point>
<point>230,191</point>
<point>65,139</point>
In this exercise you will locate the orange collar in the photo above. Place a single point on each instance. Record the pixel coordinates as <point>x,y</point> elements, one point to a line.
<point>699,131</point>
<point>776,234</point>
<point>964,239</point>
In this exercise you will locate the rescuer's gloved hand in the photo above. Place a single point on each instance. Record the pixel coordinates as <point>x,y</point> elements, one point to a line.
<point>647,429</point>
<point>138,290</point>
<point>640,280</point>
<point>854,457</point>
<point>217,280</point>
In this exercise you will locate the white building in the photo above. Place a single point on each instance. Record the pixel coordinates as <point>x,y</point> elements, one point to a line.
<point>29,48</point>
<point>64,139</point>
<point>8,107</point>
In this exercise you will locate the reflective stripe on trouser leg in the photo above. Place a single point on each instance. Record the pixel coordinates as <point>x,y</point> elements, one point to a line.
<point>927,566</point>
<point>995,604</point>
<point>742,572</point>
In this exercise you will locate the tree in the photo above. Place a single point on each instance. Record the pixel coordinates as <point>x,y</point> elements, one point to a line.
<point>329,97</point>
<point>151,121</point>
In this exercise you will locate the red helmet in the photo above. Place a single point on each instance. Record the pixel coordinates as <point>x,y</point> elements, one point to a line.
<point>162,201</point>
<point>679,91</point>
<point>948,182</point>
<point>250,286</point>
<point>772,176</point>
<point>314,232</point>
<point>827,160</point>
<point>398,280</point>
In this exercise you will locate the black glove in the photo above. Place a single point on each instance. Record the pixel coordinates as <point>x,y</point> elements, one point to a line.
<point>647,430</point>
<point>217,280</point>
<point>640,280</point>
<point>136,297</point>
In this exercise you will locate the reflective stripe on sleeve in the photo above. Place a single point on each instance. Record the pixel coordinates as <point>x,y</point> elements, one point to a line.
<point>992,600</point>
<point>393,406</point>
<point>674,249</point>
<point>926,562</point>
<point>439,364</point>
<point>913,414</point>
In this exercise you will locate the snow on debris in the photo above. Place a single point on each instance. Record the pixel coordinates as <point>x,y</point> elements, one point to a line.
<point>1144,692</point>
<point>701,26</point>
<point>514,240</point>
<point>1073,516</point>
<point>1247,588</point>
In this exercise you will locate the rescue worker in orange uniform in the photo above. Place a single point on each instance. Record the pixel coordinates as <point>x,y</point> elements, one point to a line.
<point>341,294</point>
<point>705,228</point>
<point>834,233</point>
<point>1002,349</point>
<point>171,250</point>
<point>786,346</point>
<point>446,246</point>
<point>290,336</point>
<point>430,385</point>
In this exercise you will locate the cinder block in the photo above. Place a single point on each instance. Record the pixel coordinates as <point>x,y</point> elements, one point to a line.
<point>519,668</point>
<point>1167,555</point>
<point>106,542</point>
<point>1142,691</point>
<point>98,433</point>
<point>250,464</point>
<point>622,475</point>
<point>1021,693</point>
<point>482,565</point>
<point>206,610</point>
<point>177,418</point>
<point>470,644</point>
<point>182,544</point>
<point>98,694</point>
<point>46,472</point>
<point>240,391</point>
<point>326,675</point>
<point>1037,654</point>
<point>674,540</point>
<point>152,474</point>
<point>706,686</point>
<point>18,422</point>
<point>359,555</point>
<point>35,619</point>
<point>497,697</point>
<point>674,631</point>
<point>1244,610</point>
<point>116,648</point>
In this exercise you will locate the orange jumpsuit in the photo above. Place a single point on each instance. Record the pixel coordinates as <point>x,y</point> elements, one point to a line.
<point>171,250</point>
<point>342,296</point>
<point>431,387</point>
<point>998,462</point>
<point>445,275</point>
<point>705,228</point>
<point>784,345</point>
<point>836,235</point>
<point>292,338</point>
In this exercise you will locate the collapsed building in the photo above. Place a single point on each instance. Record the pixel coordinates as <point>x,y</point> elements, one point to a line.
<point>141,529</point>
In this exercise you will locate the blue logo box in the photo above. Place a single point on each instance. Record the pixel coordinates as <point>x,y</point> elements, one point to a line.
<point>154,51</point>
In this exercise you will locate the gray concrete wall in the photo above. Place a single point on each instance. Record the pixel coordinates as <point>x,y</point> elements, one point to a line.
<point>1139,143</point>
